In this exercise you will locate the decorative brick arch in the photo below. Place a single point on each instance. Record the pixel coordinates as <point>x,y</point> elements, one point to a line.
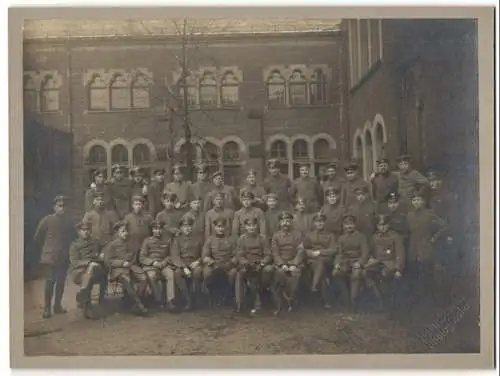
<point>358,135</point>
<point>96,142</point>
<point>278,137</point>
<point>378,147</point>
<point>324,136</point>
<point>379,121</point>
<point>239,141</point>
<point>305,138</point>
<point>144,141</point>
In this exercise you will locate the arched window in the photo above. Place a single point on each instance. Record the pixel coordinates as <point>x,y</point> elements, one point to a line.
<point>276,89</point>
<point>141,154</point>
<point>368,154</point>
<point>300,154</point>
<point>30,96</point>
<point>49,95</point>
<point>98,94</point>
<point>358,154</point>
<point>298,88</point>
<point>232,163</point>
<point>119,155</point>
<point>120,93</point>
<point>379,141</point>
<point>318,88</point>
<point>210,153</point>
<point>279,151</point>
<point>97,155</point>
<point>140,92</point>
<point>208,90</point>
<point>191,88</point>
<point>322,155</point>
<point>229,90</point>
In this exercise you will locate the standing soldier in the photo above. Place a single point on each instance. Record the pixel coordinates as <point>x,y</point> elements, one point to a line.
<point>271,215</point>
<point>120,187</point>
<point>170,216</point>
<point>397,214</point>
<point>155,191</point>
<point>308,189</point>
<point>278,184</point>
<point>101,221</point>
<point>257,190</point>
<point>353,180</point>
<point>87,267</point>
<point>202,186</point>
<point>139,186</point>
<point>333,180</point>
<point>333,211</point>
<point>302,220</point>
<point>254,261</point>
<point>198,217</point>
<point>320,247</point>
<point>218,211</point>
<point>288,256</point>
<point>186,258</point>
<point>353,254</point>
<point>247,211</point>
<point>229,193</point>
<point>364,211</point>
<point>98,185</point>
<point>384,181</point>
<point>55,232</point>
<point>410,180</point>
<point>155,259</point>
<point>180,187</point>
<point>219,256</point>
<point>122,261</point>
<point>138,222</point>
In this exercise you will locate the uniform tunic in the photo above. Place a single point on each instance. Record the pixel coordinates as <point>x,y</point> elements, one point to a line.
<point>155,204</point>
<point>182,190</point>
<point>334,215</point>
<point>105,191</point>
<point>279,185</point>
<point>253,249</point>
<point>302,223</point>
<point>382,185</point>
<point>154,249</point>
<point>199,223</point>
<point>139,189</point>
<point>423,224</point>
<point>397,218</point>
<point>310,190</point>
<point>388,250</point>
<point>272,222</point>
<point>138,228</point>
<point>101,222</point>
<point>56,232</point>
<point>222,250</point>
<point>352,248</point>
<point>171,219</point>
<point>81,254</point>
<point>214,214</point>
<point>408,182</point>
<point>121,191</point>
<point>116,253</point>
<point>337,183</point>
<point>201,189</point>
<point>365,217</point>
<point>323,241</point>
<point>257,191</point>
<point>230,198</point>
<point>241,215</point>
<point>186,250</point>
<point>287,248</point>
<point>349,191</point>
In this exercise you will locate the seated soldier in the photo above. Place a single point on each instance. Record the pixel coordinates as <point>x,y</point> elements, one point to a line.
<point>247,211</point>
<point>353,253</point>
<point>156,261</point>
<point>333,211</point>
<point>388,255</point>
<point>122,261</point>
<point>364,210</point>
<point>254,261</point>
<point>218,257</point>
<point>186,258</point>
<point>302,221</point>
<point>320,247</point>
<point>288,255</point>
<point>218,211</point>
<point>87,268</point>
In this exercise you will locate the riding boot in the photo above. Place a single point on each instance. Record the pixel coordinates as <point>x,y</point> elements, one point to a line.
<point>48,292</point>
<point>59,292</point>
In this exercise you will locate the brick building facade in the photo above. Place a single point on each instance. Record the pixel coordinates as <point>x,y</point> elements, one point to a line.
<point>112,92</point>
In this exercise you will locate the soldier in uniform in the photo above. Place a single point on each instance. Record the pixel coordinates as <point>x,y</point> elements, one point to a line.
<point>333,180</point>
<point>257,190</point>
<point>155,191</point>
<point>138,222</point>
<point>186,258</point>
<point>138,186</point>
<point>202,186</point>
<point>308,189</point>
<point>230,197</point>
<point>278,184</point>
<point>247,211</point>
<point>101,221</point>
<point>254,261</point>
<point>320,247</point>
<point>383,182</point>
<point>410,180</point>
<point>87,267</point>
<point>98,185</point>
<point>365,212</point>
<point>198,216</point>
<point>170,216</point>
<point>302,220</point>
<point>288,256</point>
<point>120,188</point>
<point>333,211</point>
<point>155,259</point>
<point>388,257</point>
<point>218,211</point>
<point>219,256</point>
<point>180,187</point>
<point>54,233</point>
<point>271,215</point>
<point>122,261</point>
<point>397,213</point>
<point>353,254</point>
<point>352,181</point>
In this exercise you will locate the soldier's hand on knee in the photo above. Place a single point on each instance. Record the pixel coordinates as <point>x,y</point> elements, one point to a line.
<point>187,272</point>
<point>356,265</point>
<point>316,253</point>
<point>397,274</point>
<point>292,268</point>
<point>194,264</point>
<point>126,264</point>
<point>284,268</point>
<point>156,264</point>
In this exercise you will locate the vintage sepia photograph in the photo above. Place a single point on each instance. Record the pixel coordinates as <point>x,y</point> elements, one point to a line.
<point>198,185</point>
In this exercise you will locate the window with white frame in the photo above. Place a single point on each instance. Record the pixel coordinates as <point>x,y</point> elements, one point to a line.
<point>97,156</point>
<point>297,85</point>
<point>49,95</point>
<point>30,97</point>
<point>120,93</point>
<point>276,89</point>
<point>208,90</point>
<point>140,92</point>
<point>368,154</point>
<point>300,154</point>
<point>141,155</point>
<point>279,151</point>
<point>119,155</point>
<point>229,89</point>
<point>231,160</point>
<point>211,154</point>
<point>318,88</point>
<point>98,93</point>
<point>191,88</point>
<point>322,155</point>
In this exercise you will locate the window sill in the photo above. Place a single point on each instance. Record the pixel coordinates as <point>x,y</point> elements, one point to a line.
<point>374,68</point>
<point>215,108</point>
<point>125,110</point>
<point>38,112</point>
<point>302,106</point>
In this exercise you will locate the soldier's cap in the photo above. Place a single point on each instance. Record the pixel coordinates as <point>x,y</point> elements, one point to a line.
<point>383,160</point>
<point>187,219</point>
<point>404,158</point>
<point>285,215</point>
<point>83,225</point>
<point>99,171</point>
<point>393,196</point>
<point>60,199</point>
<point>416,193</point>
<point>351,166</point>
<point>97,194</point>
<point>252,171</point>
<point>178,167</point>
<point>382,219</point>
<point>331,191</point>
<point>219,194</point>
<point>333,164</point>
<point>271,163</point>
<point>348,217</point>
<point>361,188</point>
<point>157,171</point>
<point>250,221</point>
<point>304,164</point>
<point>156,224</point>
<point>433,175</point>
<point>137,198</point>
<point>247,194</point>
<point>117,168</point>
<point>120,224</point>
<point>136,170</point>
<point>201,167</point>
<point>170,196</point>
<point>320,216</point>
<point>271,195</point>
<point>196,198</point>
<point>216,173</point>
<point>219,221</point>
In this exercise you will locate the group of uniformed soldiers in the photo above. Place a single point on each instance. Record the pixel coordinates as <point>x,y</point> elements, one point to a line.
<point>183,241</point>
